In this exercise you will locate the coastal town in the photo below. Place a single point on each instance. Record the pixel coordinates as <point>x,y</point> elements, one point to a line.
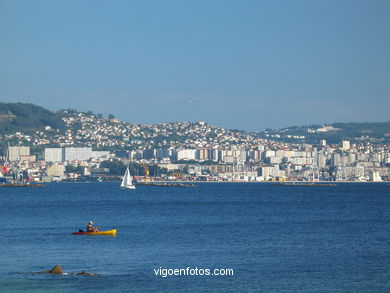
<point>182,151</point>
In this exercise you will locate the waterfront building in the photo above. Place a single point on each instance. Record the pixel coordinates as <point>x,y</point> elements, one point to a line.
<point>271,171</point>
<point>15,153</point>
<point>374,176</point>
<point>56,171</point>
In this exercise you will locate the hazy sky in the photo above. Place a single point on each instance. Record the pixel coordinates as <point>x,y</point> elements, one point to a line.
<point>236,64</point>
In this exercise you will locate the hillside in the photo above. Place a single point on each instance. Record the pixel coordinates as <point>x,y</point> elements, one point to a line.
<point>93,130</point>
<point>375,132</point>
<point>26,118</point>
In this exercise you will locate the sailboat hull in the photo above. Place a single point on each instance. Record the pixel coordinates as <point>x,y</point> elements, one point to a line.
<point>128,187</point>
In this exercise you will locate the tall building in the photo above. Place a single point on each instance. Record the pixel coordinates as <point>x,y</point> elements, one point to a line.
<point>374,176</point>
<point>54,155</point>
<point>271,171</point>
<point>213,155</point>
<point>321,160</point>
<point>150,154</point>
<point>186,154</point>
<point>78,154</point>
<point>351,157</point>
<point>254,155</point>
<point>163,153</point>
<point>346,145</point>
<point>203,154</point>
<point>15,153</point>
<point>336,159</point>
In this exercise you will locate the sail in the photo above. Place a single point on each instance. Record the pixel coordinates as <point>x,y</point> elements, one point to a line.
<point>127,180</point>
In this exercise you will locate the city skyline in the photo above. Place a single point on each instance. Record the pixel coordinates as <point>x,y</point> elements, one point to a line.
<point>248,66</point>
<point>92,148</point>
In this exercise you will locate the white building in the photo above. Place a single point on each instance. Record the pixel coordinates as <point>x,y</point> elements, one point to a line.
<point>78,154</point>
<point>346,145</point>
<point>186,154</point>
<point>203,154</point>
<point>268,154</point>
<point>321,160</point>
<point>17,152</point>
<point>56,170</point>
<point>374,176</point>
<point>214,155</point>
<point>54,155</point>
<point>271,171</point>
<point>275,160</point>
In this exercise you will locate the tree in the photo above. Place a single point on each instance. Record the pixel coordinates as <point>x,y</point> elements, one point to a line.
<point>155,170</point>
<point>116,167</point>
<point>72,169</point>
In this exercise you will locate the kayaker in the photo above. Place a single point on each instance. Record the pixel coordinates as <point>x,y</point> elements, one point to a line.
<point>91,228</point>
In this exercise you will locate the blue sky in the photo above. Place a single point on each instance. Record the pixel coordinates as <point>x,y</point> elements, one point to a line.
<point>236,64</point>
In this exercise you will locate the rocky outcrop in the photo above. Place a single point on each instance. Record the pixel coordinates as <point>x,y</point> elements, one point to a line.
<point>58,270</point>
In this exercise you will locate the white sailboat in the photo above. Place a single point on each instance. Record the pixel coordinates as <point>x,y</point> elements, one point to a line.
<point>127,181</point>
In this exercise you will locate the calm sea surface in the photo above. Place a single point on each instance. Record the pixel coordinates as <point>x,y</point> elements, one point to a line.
<point>275,238</point>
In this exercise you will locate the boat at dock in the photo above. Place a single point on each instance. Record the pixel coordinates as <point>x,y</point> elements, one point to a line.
<point>305,184</point>
<point>22,185</point>
<point>167,184</point>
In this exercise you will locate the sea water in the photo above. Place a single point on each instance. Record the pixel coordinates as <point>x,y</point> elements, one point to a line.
<point>272,238</point>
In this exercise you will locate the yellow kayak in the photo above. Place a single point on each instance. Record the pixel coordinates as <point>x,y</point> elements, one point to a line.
<point>109,232</point>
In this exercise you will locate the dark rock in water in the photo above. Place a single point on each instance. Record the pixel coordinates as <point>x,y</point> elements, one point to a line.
<point>56,270</point>
<point>84,273</point>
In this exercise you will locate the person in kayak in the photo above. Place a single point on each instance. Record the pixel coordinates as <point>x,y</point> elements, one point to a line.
<point>91,228</point>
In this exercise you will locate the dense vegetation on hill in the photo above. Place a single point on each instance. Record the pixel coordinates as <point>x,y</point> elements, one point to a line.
<point>377,132</point>
<point>26,118</point>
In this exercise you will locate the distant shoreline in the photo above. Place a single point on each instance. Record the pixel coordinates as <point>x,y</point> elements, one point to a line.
<point>261,182</point>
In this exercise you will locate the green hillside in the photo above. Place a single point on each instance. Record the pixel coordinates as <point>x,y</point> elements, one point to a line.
<point>26,118</point>
<point>375,132</point>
